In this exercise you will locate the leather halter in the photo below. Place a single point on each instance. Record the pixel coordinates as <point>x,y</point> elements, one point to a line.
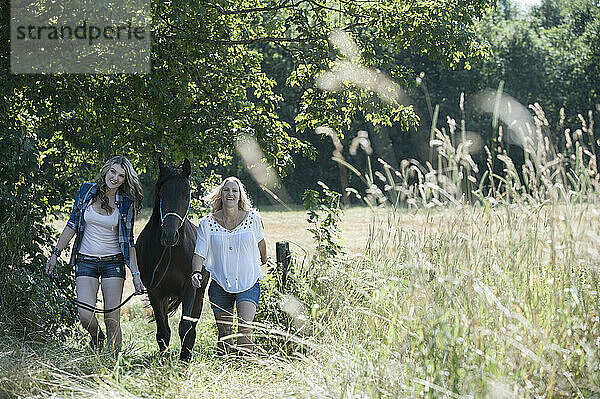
<point>182,219</point>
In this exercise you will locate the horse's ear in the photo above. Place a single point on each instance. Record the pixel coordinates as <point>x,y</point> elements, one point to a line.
<point>186,168</point>
<point>161,164</point>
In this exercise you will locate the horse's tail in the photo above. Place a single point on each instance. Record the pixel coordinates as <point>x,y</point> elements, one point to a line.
<point>173,305</point>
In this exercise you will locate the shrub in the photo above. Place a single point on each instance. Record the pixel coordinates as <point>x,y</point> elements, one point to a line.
<point>288,312</point>
<point>29,304</point>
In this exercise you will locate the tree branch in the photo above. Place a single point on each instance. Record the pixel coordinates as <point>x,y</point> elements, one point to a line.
<point>266,39</point>
<point>283,5</point>
<point>336,10</point>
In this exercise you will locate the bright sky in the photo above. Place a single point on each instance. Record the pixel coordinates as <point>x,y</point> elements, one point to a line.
<point>524,4</point>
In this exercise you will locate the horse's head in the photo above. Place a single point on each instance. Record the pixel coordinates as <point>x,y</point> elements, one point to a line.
<point>173,200</point>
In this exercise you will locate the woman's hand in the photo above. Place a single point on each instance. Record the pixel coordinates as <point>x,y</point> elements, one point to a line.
<point>50,264</point>
<point>196,279</point>
<point>197,262</point>
<point>66,236</point>
<point>138,285</point>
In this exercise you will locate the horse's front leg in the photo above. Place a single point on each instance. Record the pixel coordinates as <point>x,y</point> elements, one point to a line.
<point>192,309</point>
<point>163,332</point>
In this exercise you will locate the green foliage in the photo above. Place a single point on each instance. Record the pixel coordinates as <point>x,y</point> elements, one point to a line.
<point>547,55</point>
<point>211,81</point>
<point>208,85</point>
<point>270,311</point>
<point>323,215</point>
<point>206,88</point>
<point>29,303</point>
<point>295,307</point>
<point>452,297</point>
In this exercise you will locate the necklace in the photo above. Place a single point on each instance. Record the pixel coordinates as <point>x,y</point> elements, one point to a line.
<point>226,223</point>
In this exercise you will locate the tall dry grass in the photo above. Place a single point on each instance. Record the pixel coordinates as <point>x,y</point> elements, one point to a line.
<point>498,301</point>
<point>473,283</point>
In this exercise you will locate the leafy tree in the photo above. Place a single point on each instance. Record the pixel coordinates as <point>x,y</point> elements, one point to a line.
<point>546,55</point>
<point>28,304</point>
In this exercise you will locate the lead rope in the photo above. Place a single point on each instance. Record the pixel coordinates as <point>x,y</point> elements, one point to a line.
<point>94,309</point>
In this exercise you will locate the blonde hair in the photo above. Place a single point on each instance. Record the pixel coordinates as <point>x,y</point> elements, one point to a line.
<point>214,197</point>
<point>131,186</point>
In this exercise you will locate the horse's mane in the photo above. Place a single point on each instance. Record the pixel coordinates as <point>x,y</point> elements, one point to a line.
<point>169,173</point>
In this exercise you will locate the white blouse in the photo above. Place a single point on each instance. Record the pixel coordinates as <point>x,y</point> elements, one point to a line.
<point>231,256</point>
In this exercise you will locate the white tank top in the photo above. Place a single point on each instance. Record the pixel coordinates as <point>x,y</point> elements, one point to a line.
<point>101,233</point>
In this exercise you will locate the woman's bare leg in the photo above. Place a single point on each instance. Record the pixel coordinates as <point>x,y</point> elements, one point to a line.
<point>87,292</point>
<point>246,311</point>
<point>112,292</point>
<point>224,325</point>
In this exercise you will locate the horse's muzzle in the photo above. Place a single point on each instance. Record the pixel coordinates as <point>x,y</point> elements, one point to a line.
<point>169,239</point>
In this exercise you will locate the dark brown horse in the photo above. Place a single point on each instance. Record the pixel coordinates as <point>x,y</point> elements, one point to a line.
<point>165,248</point>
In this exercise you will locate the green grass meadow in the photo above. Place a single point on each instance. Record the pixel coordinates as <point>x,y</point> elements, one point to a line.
<point>473,301</point>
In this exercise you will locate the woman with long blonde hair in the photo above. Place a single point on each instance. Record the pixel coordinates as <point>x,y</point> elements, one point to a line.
<point>102,223</point>
<point>231,245</point>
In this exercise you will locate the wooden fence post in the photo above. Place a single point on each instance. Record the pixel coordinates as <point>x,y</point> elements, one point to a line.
<point>284,255</point>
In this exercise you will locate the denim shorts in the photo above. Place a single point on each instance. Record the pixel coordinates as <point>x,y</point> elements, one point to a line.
<point>223,301</point>
<point>105,266</point>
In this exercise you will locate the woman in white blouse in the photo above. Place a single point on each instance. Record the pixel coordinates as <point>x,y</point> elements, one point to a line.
<point>231,246</point>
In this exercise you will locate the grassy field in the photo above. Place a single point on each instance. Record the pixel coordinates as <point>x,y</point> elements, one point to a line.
<point>488,286</point>
<point>487,301</point>
<point>69,368</point>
